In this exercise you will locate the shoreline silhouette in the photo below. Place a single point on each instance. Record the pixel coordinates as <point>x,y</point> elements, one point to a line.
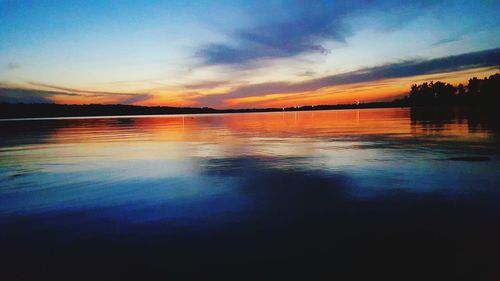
<point>483,93</point>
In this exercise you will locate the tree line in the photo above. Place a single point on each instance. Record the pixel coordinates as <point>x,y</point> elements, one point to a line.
<point>476,92</point>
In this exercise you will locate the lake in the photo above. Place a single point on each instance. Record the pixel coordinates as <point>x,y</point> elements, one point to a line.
<point>378,192</point>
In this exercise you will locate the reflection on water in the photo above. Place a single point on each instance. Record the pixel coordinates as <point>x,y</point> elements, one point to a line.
<point>269,191</point>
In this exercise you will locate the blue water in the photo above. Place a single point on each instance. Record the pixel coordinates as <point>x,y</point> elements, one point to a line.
<point>323,192</point>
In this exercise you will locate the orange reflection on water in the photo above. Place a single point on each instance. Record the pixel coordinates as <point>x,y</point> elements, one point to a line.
<point>179,145</point>
<point>237,128</point>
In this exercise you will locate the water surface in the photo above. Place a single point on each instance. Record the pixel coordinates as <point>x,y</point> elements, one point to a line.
<point>387,191</point>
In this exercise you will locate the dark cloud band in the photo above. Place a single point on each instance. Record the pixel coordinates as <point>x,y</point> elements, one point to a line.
<point>17,95</point>
<point>307,25</point>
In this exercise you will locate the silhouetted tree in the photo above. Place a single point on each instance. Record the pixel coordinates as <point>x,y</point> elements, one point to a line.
<point>422,94</point>
<point>490,89</point>
<point>461,90</point>
<point>444,93</point>
<point>477,92</point>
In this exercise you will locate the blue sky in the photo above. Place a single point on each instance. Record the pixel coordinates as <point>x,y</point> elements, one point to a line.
<point>207,53</point>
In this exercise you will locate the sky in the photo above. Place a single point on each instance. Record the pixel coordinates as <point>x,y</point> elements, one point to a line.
<point>240,54</point>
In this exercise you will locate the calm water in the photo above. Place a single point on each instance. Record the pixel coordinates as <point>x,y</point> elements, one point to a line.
<point>378,191</point>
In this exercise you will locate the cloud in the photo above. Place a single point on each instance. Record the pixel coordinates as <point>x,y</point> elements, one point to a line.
<point>123,98</point>
<point>12,66</point>
<point>135,98</point>
<point>9,67</point>
<point>15,95</point>
<point>448,40</point>
<point>273,41</point>
<point>19,95</point>
<point>283,39</point>
<point>306,74</point>
<point>306,26</point>
<point>73,90</point>
<point>206,84</point>
<point>393,70</point>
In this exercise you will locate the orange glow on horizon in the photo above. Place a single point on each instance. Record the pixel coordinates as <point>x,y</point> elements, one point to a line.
<point>380,90</point>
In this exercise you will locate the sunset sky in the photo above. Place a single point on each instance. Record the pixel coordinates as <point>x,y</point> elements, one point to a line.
<point>239,54</point>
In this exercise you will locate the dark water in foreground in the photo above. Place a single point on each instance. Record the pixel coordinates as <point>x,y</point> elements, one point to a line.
<point>383,192</point>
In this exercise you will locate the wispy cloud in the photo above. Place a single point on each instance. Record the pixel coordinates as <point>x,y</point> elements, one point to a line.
<point>448,40</point>
<point>73,90</point>
<point>306,74</point>
<point>206,85</point>
<point>18,95</point>
<point>12,66</point>
<point>394,70</point>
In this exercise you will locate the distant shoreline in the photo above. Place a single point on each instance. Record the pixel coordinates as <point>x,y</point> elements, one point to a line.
<point>41,111</point>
